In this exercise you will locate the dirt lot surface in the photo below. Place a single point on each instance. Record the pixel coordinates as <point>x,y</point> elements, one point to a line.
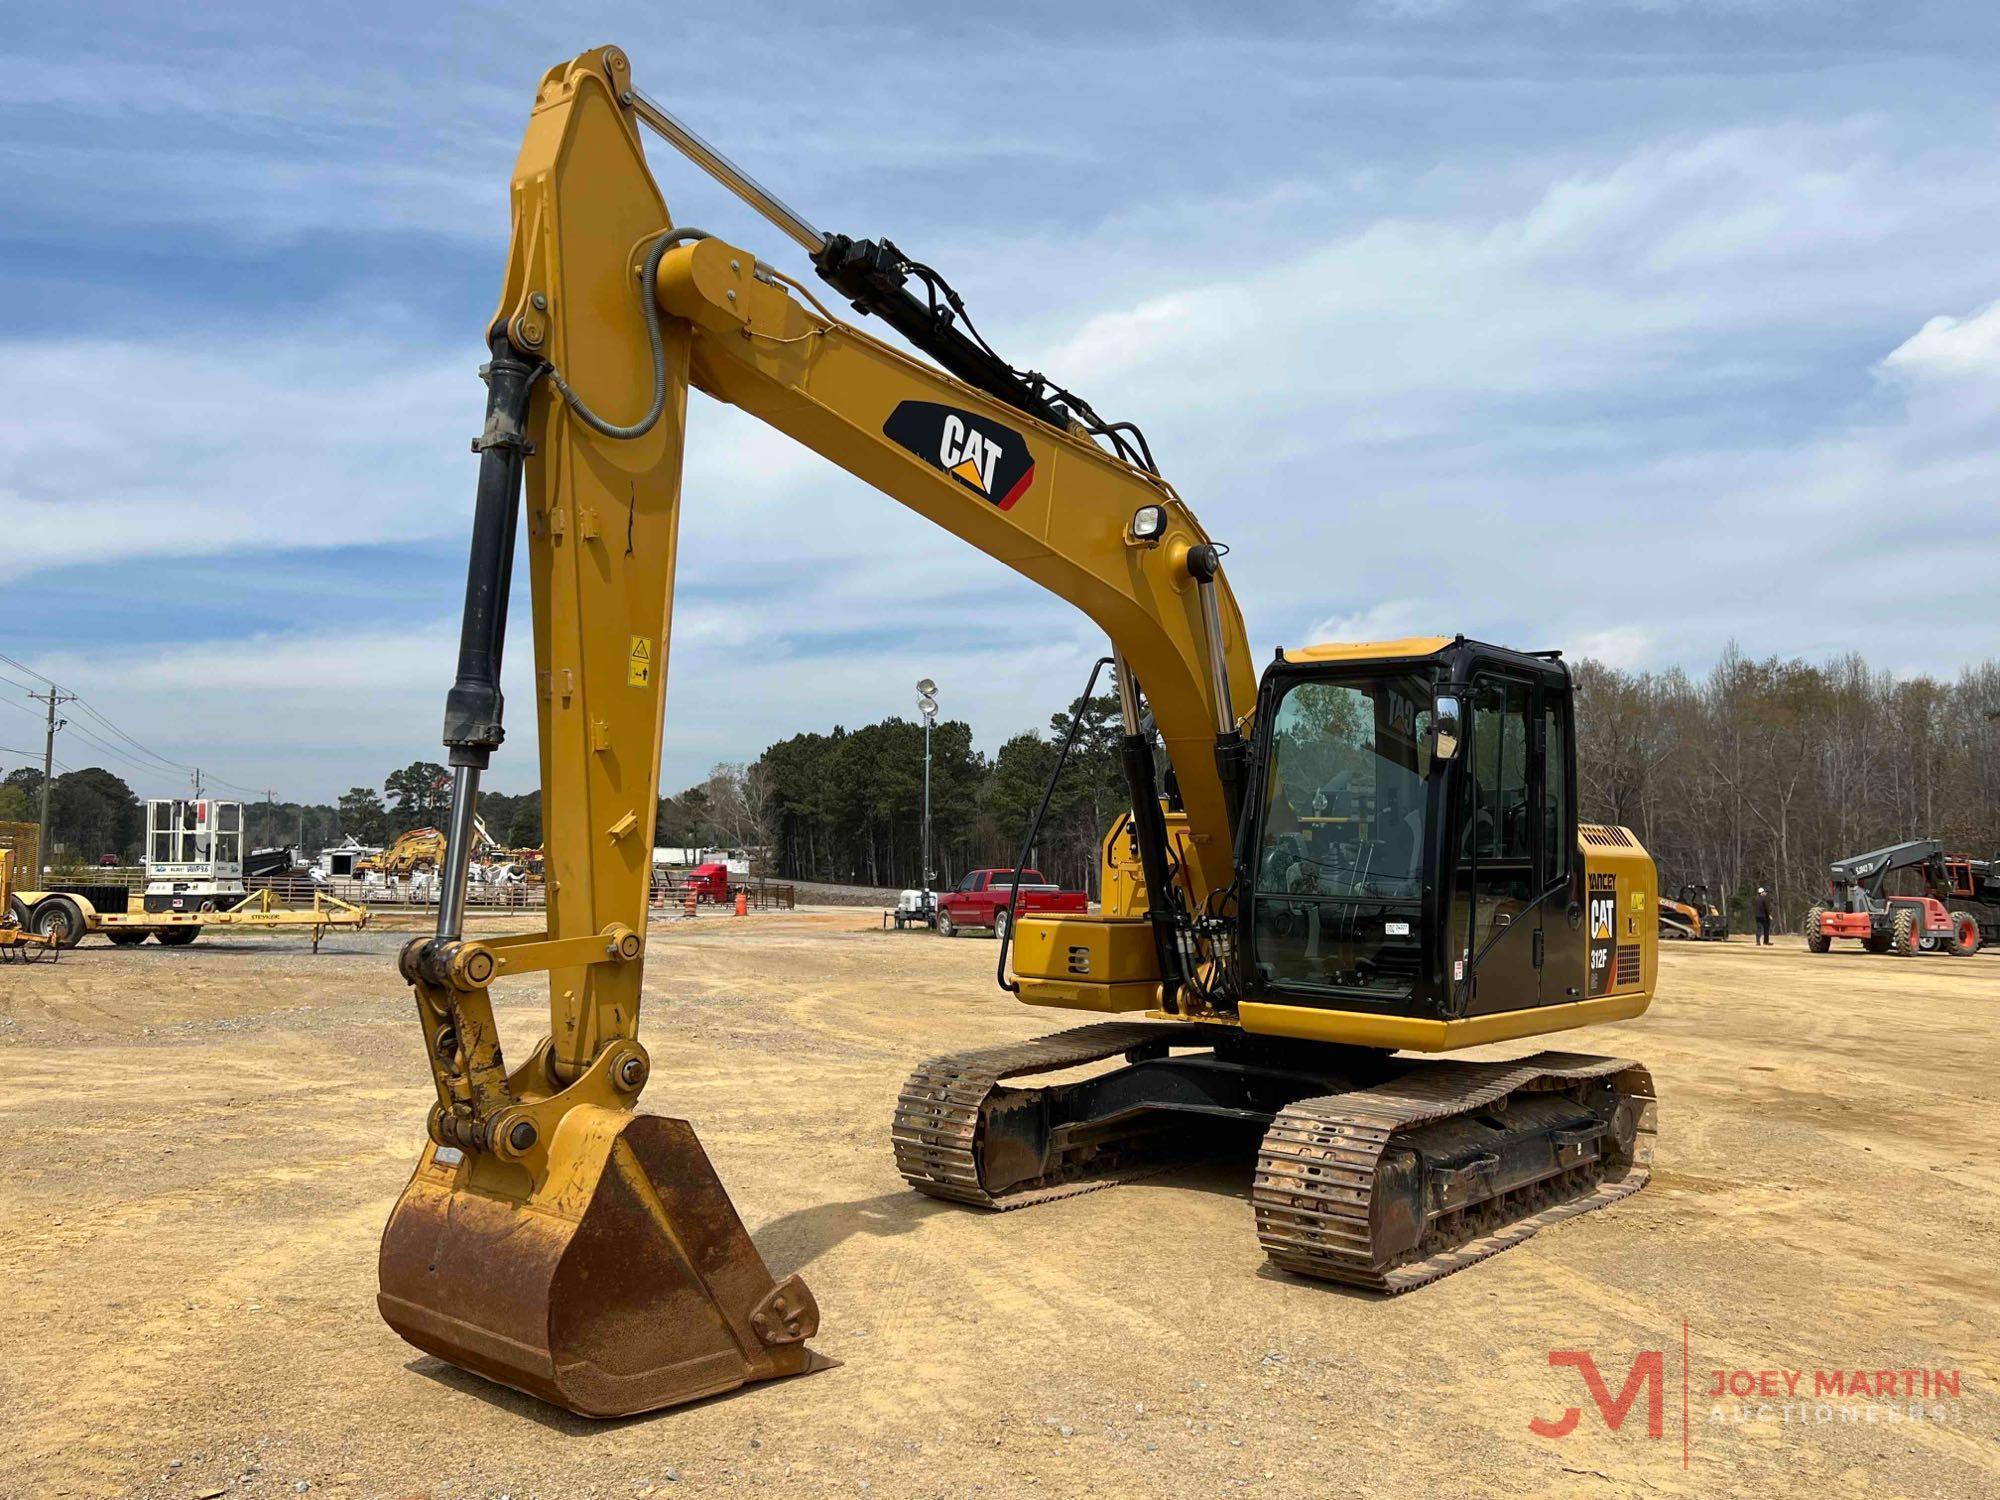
<point>200,1147</point>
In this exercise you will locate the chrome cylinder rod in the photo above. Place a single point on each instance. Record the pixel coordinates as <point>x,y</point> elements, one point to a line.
<point>726,172</point>
<point>457,868</point>
<point>1128,691</point>
<point>1218,664</point>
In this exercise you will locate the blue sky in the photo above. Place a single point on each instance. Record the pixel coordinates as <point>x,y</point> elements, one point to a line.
<point>1628,328</point>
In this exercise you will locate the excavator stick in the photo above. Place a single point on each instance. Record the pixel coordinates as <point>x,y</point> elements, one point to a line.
<point>552,1239</point>
<point>633,1288</point>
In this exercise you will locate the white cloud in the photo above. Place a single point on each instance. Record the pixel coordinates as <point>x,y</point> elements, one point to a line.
<point>1619,646</point>
<point>1390,620</point>
<point>1609,278</point>
<point>306,438</point>
<point>1950,348</point>
<point>132,449</point>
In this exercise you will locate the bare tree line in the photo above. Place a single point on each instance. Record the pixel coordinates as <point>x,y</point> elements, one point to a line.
<point>1756,773</point>
<point>1762,772</point>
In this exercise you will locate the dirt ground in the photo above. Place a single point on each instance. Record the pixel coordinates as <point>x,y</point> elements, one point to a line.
<point>200,1147</point>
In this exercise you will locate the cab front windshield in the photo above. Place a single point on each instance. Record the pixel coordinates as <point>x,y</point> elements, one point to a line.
<point>1340,862</point>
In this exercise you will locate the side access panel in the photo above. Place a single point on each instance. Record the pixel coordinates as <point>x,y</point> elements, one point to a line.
<point>1081,962</point>
<point>1621,919</point>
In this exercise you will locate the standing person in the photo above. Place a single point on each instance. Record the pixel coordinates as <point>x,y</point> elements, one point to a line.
<point>1763,917</point>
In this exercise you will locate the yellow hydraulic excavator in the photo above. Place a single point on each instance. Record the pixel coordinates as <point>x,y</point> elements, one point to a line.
<point>1368,852</point>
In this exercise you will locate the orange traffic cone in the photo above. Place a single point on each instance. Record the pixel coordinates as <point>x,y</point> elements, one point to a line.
<point>742,903</point>
<point>688,906</point>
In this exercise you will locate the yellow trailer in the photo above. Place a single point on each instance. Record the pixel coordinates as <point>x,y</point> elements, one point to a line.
<point>66,917</point>
<point>17,939</point>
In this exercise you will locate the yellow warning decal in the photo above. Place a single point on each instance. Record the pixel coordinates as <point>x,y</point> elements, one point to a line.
<point>639,662</point>
<point>1638,901</point>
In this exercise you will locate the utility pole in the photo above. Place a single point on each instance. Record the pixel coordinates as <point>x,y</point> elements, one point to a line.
<point>53,697</point>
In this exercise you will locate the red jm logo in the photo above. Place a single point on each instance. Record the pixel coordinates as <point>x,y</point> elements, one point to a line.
<point>1648,1374</point>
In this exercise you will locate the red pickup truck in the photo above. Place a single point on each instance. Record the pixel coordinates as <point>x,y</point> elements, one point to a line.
<point>980,900</point>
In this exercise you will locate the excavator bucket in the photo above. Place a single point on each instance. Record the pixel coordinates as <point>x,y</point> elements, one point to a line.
<point>626,1283</point>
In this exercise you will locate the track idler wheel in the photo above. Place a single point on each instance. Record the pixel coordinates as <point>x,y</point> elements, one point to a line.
<point>625,1283</point>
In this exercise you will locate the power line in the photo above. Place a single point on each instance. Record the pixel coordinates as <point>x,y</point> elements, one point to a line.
<point>172,765</point>
<point>110,751</point>
<point>233,787</point>
<point>131,764</point>
<point>21,666</point>
<point>29,756</point>
<point>153,763</point>
<point>88,707</point>
<point>158,760</point>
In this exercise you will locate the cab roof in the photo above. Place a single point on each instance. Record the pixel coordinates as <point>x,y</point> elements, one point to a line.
<point>1409,645</point>
<point>1413,648</point>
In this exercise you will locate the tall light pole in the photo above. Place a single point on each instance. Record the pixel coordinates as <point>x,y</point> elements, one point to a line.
<point>927,705</point>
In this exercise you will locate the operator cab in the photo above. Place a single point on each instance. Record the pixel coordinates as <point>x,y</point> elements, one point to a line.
<point>1411,845</point>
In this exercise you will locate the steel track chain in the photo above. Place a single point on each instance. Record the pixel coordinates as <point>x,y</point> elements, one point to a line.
<point>936,1127</point>
<point>1317,1170</point>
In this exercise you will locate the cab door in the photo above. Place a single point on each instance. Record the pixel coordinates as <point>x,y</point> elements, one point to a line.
<point>1495,943</point>
<point>1565,942</point>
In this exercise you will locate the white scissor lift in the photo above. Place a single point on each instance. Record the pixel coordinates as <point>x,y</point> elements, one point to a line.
<point>194,855</point>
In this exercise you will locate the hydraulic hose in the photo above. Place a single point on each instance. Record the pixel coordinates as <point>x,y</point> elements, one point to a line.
<point>650,305</point>
<point>1035,827</point>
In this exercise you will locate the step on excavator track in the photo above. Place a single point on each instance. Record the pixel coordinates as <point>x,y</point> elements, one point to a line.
<point>1388,1188</point>
<point>941,1145</point>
